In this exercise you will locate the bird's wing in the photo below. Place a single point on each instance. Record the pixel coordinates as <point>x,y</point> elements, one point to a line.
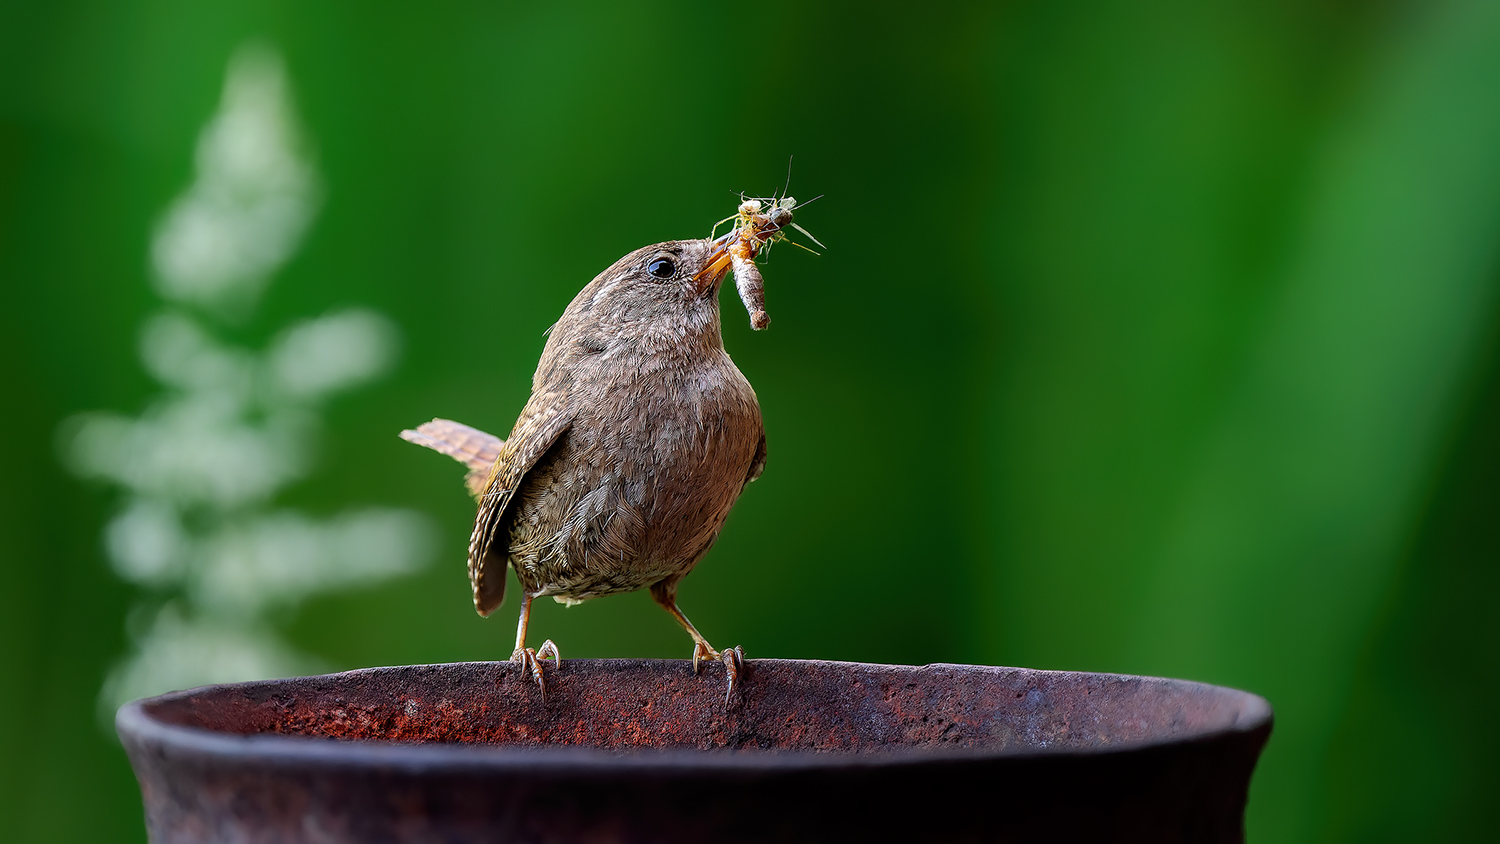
<point>470,446</point>
<point>542,422</point>
<point>757,463</point>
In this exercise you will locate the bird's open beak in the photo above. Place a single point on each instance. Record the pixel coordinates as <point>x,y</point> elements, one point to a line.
<point>713,272</point>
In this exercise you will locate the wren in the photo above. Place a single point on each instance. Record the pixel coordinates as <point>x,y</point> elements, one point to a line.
<point>639,436</point>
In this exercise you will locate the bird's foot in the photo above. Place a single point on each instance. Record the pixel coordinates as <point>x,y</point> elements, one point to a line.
<point>733,659</point>
<point>531,660</point>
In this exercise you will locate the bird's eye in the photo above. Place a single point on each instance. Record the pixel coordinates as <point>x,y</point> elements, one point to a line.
<point>662,268</point>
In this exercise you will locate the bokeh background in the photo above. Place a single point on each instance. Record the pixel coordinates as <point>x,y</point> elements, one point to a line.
<point>1152,337</point>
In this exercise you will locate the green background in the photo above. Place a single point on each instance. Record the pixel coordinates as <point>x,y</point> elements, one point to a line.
<point>1152,337</point>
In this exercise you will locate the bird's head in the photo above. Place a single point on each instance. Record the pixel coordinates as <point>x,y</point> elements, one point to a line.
<point>664,293</point>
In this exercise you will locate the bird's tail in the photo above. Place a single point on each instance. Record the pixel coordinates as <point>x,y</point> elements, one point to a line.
<point>470,446</point>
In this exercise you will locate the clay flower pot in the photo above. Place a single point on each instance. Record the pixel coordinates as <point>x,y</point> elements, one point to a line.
<point>643,750</point>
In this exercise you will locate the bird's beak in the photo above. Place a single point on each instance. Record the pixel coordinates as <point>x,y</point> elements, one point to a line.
<point>713,272</point>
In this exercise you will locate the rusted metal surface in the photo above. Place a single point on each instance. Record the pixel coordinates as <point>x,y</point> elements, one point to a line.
<point>642,750</point>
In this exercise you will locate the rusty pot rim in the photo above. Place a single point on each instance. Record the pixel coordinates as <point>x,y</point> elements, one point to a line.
<point>137,724</point>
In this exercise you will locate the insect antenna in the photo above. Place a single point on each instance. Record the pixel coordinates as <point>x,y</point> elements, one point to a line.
<point>714,232</point>
<point>801,246</point>
<point>809,237</point>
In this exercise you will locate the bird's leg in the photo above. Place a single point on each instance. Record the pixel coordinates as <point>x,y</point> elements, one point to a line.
<point>527,658</point>
<point>733,658</point>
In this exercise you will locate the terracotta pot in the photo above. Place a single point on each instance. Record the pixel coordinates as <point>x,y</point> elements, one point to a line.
<point>643,750</point>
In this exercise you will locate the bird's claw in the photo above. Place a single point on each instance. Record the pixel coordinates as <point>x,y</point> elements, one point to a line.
<point>734,662</point>
<point>531,660</point>
<point>733,659</point>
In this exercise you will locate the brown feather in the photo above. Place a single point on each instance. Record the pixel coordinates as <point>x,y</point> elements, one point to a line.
<point>470,446</point>
<point>639,436</point>
<point>540,424</point>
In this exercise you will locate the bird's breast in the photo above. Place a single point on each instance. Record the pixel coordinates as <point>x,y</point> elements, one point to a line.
<point>671,419</point>
<point>673,444</point>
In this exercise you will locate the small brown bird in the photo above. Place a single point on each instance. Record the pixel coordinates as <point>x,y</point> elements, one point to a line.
<point>639,436</point>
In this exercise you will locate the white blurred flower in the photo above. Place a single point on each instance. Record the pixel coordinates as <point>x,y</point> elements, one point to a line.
<point>235,426</point>
<point>253,198</point>
<point>282,558</point>
<point>332,353</point>
<point>178,351</point>
<point>146,543</point>
<point>194,449</point>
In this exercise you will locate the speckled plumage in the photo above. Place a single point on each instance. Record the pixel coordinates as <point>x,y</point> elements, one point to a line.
<point>639,436</point>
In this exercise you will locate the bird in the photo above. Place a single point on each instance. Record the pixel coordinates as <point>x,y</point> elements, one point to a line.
<point>638,437</point>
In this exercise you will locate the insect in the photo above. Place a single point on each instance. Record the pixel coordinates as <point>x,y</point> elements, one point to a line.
<point>758,223</point>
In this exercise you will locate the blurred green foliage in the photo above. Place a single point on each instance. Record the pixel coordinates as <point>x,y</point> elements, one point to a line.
<point>1153,337</point>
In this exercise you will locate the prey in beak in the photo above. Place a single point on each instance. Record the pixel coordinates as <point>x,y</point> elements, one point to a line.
<point>758,223</point>
<point>718,265</point>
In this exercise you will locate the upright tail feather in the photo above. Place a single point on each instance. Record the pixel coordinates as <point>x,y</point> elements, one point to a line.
<point>470,446</point>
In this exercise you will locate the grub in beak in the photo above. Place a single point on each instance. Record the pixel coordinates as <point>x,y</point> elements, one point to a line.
<point>714,271</point>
